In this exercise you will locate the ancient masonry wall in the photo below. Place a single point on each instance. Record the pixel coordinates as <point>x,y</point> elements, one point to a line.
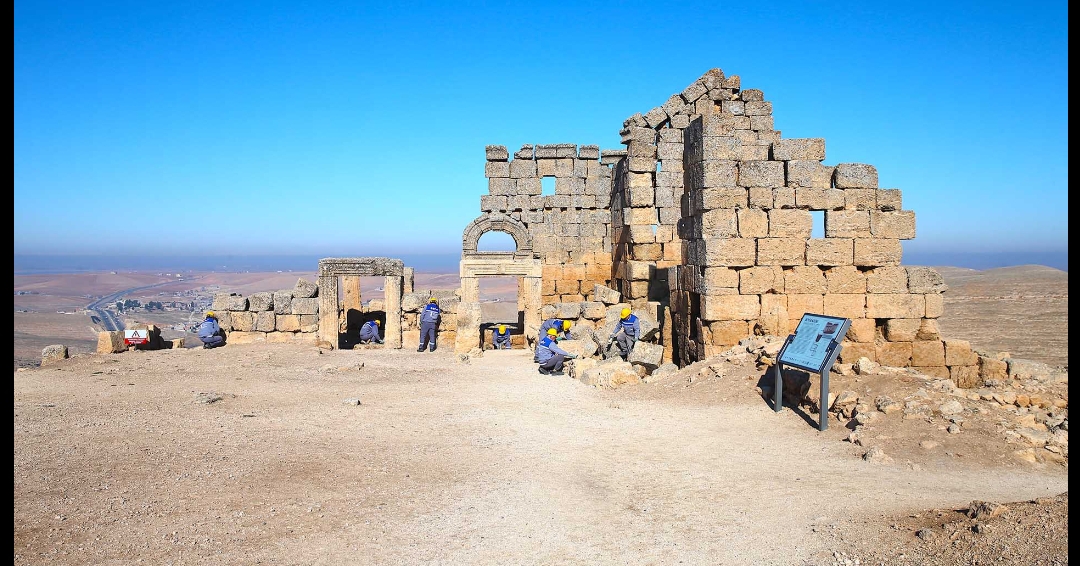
<point>571,229</point>
<point>290,315</point>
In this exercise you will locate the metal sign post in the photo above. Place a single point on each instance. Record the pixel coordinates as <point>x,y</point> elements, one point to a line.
<point>813,347</point>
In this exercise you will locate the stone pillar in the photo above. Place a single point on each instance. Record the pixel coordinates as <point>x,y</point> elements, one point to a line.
<point>470,290</point>
<point>468,327</point>
<point>352,309</point>
<point>328,310</point>
<point>409,276</point>
<point>665,334</point>
<point>393,285</point>
<point>531,301</point>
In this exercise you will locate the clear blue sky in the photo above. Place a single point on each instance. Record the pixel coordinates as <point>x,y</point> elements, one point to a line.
<point>322,128</point>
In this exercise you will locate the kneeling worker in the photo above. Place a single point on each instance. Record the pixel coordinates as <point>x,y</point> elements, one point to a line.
<point>500,337</point>
<point>549,355</point>
<point>210,332</point>
<point>561,328</point>
<point>626,333</point>
<point>369,332</point>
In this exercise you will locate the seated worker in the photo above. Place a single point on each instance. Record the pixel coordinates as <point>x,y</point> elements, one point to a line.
<point>210,332</point>
<point>369,332</point>
<point>627,332</point>
<point>500,337</point>
<point>549,355</point>
<point>561,328</point>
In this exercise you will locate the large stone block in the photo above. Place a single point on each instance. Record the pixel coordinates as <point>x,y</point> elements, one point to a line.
<point>719,223</point>
<point>719,197</point>
<point>965,377</point>
<point>894,354</point>
<point>302,290</point>
<point>800,304</point>
<point>760,280</point>
<point>647,355</point>
<point>873,252</point>
<point>899,224</point>
<point>305,306</point>
<point>783,197</point>
<point>847,224</point>
<point>851,306</point>
<point>889,279</point>
<point>287,323</point>
<point>610,374</point>
<point>799,149</point>
<point>496,169</point>
<point>830,251</point>
<point>959,353</point>
<point>992,369</point>
<point>761,174</point>
<point>850,352</point>
<point>258,302</point>
<point>111,342</point>
<point>855,176</point>
<point>781,251</point>
<point>895,306</point>
<point>716,278</point>
<point>924,280</point>
<point>790,223</point>
<point>928,330</point>
<point>729,332</point>
<point>229,302</point>
<point>265,321</point>
<point>730,307</point>
<point>753,223</point>
<point>523,169</point>
<point>283,302</point>
<point>502,186</point>
<point>774,319</point>
<point>242,321</point>
<point>760,197</point>
<point>496,153</point>
<point>862,330</point>
<point>731,252</point>
<point>902,329</point>
<point>845,279</point>
<point>606,295</point>
<point>889,199</point>
<point>805,279</point>
<point>810,198</point>
<point>927,353</point>
<point>935,305</point>
<point>808,174</point>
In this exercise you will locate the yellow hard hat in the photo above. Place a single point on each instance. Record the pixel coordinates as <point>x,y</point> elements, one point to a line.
<point>566,324</point>
<point>502,328</point>
<point>210,314</point>
<point>625,313</point>
<point>433,300</point>
<point>553,332</point>
<point>378,323</point>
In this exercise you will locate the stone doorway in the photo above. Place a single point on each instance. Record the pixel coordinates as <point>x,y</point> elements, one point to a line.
<point>337,306</point>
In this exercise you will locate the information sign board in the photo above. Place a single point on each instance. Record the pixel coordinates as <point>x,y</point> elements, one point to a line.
<point>136,337</point>
<point>813,341</point>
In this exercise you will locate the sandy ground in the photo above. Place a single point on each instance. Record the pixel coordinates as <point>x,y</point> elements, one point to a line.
<point>120,459</point>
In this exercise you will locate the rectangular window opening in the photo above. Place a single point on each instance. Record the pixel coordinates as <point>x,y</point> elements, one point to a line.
<point>818,219</point>
<point>547,185</point>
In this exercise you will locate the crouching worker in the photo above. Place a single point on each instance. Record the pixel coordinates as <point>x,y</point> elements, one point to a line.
<point>626,333</point>
<point>210,332</point>
<point>550,355</point>
<point>500,337</point>
<point>369,332</point>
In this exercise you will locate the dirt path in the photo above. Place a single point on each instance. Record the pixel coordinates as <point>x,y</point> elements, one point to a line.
<point>117,459</point>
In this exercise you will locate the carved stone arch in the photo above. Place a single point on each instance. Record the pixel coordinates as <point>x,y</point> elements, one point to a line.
<point>499,223</point>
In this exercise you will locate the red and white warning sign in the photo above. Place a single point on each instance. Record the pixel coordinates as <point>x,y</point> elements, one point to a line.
<point>136,337</point>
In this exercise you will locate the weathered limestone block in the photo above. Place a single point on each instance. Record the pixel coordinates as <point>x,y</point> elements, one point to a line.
<point>935,305</point>
<point>580,348</point>
<point>496,153</point>
<point>761,123</point>
<point>925,280</point>
<point>309,323</point>
<point>781,251</point>
<point>282,302</point>
<point>258,302</point>
<point>717,278</point>
<point>855,176</point>
<point>606,295</point>
<point>494,169</point>
<point>242,321</point>
<point>265,321</point>
<point>760,197</point>
<point>800,304</point>
<point>810,198</point>
<point>890,279</point>
<point>731,252</point>
<point>808,174</point>
<point>895,306</point>
<point>805,279</point>
<point>567,311</point>
<point>927,353</point>
<point>111,342</point>
<point>898,224</point>
<point>646,355</point>
<point>287,323</point>
<point>928,330</point>
<point>730,307</point>
<point>834,198</point>
<point>965,377</point>
<point>53,353</point>
<point>564,150</point>
<point>959,353</point>
<point>467,335</point>
<point>610,373</point>
<point>860,199</point>
<point>761,174</point>
<point>711,198</point>
<point>773,320</point>
<point>238,338</point>
<point>229,302</point>
<point>305,306</point>
<point>902,329</point>
<point>873,252</point>
<point>790,223</point>
<point>753,223</point>
<point>760,280</point>
<point>784,197</point>
<point>862,330</point>
<point>830,251</point>
<point>799,148</point>
<point>894,354</point>
<point>992,369</point>
<point>730,332</point>
<point>847,224</point>
<point>853,351</point>
<point>302,290</point>
<point>758,108</point>
<point>845,279</point>
<point>593,310</point>
<point>591,152</point>
<point>719,223</point>
<point>889,199</point>
<point>851,306</point>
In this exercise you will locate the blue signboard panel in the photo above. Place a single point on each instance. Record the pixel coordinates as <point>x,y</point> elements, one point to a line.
<point>814,339</point>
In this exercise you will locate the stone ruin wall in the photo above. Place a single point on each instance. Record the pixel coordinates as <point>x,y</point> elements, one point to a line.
<point>708,221</point>
<point>571,229</point>
<point>289,315</point>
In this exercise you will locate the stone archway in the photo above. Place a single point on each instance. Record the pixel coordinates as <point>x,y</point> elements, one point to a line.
<point>330,268</point>
<point>494,222</point>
